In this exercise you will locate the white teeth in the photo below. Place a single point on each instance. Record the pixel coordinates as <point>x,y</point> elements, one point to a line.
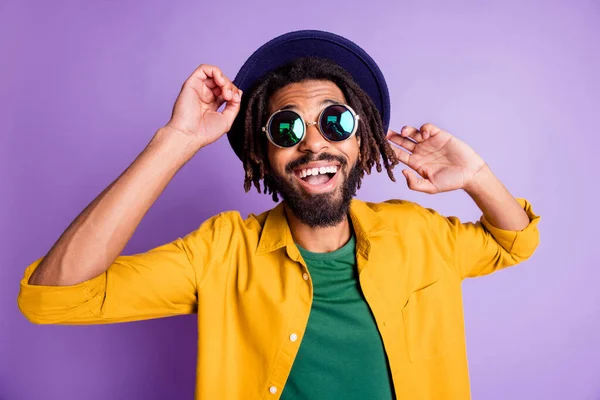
<point>330,169</point>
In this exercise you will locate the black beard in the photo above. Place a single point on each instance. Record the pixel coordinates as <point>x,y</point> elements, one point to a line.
<point>318,210</point>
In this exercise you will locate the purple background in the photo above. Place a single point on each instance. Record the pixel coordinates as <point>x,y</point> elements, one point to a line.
<point>84,85</point>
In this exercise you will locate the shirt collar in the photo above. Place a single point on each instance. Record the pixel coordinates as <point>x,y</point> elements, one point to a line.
<point>276,231</point>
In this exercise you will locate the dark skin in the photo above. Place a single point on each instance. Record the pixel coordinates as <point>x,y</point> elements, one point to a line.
<point>309,98</point>
<point>105,226</point>
<point>443,162</point>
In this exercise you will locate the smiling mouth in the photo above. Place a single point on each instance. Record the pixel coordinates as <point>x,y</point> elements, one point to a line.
<point>317,175</point>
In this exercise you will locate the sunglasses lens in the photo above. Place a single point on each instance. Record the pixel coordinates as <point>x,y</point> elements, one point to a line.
<point>286,128</point>
<point>337,123</point>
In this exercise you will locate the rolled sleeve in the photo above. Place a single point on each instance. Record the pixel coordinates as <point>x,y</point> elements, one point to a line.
<point>161,282</point>
<point>479,248</point>
<point>521,243</point>
<point>53,304</point>
<point>483,248</point>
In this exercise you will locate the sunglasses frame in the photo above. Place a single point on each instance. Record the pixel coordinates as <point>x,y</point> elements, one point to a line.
<point>267,132</point>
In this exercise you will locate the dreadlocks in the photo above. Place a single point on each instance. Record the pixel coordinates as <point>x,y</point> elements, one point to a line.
<point>374,146</point>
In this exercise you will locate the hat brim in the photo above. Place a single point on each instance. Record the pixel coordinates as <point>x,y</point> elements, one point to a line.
<point>290,46</point>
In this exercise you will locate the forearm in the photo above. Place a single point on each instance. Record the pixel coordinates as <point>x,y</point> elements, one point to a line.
<point>98,235</point>
<point>499,207</point>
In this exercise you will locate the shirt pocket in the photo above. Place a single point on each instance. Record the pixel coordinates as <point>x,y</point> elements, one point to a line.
<point>424,323</point>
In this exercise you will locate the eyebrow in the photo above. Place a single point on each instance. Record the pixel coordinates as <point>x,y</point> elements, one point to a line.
<point>325,102</point>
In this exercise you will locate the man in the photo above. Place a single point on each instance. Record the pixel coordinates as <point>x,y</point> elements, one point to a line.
<point>323,296</point>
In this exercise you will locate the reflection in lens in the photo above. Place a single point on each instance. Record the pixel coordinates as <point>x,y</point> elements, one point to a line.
<point>298,129</point>
<point>286,128</point>
<point>347,121</point>
<point>337,123</point>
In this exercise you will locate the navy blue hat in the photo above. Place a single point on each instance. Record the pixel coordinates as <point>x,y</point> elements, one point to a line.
<point>290,46</point>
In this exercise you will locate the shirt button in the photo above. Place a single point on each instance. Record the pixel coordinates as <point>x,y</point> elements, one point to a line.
<point>273,389</point>
<point>305,276</point>
<point>293,337</point>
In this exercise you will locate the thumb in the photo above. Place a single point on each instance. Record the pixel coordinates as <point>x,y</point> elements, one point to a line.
<point>418,184</point>
<point>232,108</point>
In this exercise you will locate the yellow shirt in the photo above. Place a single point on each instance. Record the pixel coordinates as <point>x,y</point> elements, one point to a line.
<point>252,293</point>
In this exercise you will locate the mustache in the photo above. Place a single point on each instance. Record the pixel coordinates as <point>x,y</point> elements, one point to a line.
<point>305,159</point>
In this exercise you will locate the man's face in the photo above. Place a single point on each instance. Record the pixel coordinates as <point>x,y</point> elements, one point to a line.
<point>317,200</point>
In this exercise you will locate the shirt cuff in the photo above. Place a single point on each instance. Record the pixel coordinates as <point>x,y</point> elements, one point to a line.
<point>521,243</point>
<point>53,304</point>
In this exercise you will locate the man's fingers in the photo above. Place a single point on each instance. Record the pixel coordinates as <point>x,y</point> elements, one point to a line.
<point>417,183</point>
<point>401,155</point>
<point>211,83</point>
<point>236,95</point>
<point>419,135</point>
<point>401,141</point>
<point>227,87</point>
<point>428,130</point>
<point>212,77</point>
<point>411,132</point>
<point>205,71</point>
<point>206,94</point>
<point>232,108</point>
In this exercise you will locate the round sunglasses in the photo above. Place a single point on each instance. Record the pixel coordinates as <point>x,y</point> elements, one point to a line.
<point>287,128</point>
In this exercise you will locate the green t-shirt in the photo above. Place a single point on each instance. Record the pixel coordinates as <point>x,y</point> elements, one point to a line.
<point>341,355</point>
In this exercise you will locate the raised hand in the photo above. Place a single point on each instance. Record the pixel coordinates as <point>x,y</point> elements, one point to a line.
<point>443,162</point>
<point>195,112</point>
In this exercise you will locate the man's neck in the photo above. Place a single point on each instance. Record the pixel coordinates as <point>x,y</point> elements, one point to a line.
<point>318,240</point>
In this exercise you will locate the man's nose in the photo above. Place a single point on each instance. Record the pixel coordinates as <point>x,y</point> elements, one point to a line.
<point>313,142</point>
